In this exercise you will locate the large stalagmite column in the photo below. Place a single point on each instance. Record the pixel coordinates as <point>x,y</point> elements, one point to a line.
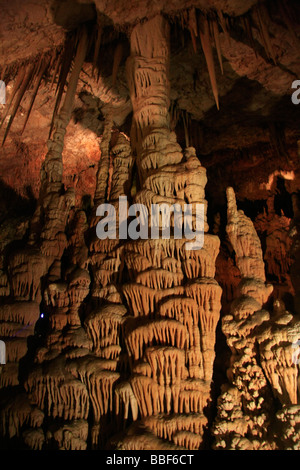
<point>147,73</point>
<point>173,298</point>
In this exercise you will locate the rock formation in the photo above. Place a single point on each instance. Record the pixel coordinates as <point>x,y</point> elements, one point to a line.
<point>173,298</point>
<point>264,360</point>
<point>179,329</point>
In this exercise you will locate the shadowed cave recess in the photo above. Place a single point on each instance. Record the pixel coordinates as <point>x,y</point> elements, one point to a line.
<point>143,344</point>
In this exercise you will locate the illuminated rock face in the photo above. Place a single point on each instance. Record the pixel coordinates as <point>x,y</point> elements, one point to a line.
<point>119,343</point>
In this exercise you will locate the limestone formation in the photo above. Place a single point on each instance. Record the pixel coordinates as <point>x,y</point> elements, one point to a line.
<point>149,239</point>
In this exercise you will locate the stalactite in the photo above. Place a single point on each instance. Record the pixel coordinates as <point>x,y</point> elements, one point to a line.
<point>192,21</point>
<point>99,29</point>
<point>41,70</point>
<point>25,83</point>
<point>224,26</point>
<point>168,427</point>
<point>103,326</point>
<point>19,80</point>
<point>207,49</point>
<point>217,43</point>
<point>57,65</point>
<point>259,12</point>
<point>186,131</point>
<point>248,29</point>
<point>287,18</point>
<point>135,440</point>
<point>125,400</point>
<point>161,331</point>
<point>65,65</point>
<point>52,389</point>
<point>192,25</point>
<point>100,378</point>
<point>24,313</point>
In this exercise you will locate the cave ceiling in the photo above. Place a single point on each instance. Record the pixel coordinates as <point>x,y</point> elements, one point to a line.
<point>254,130</point>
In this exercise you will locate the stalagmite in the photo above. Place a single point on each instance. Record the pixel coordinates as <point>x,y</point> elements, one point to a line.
<point>106,316</point>
<point>262,362</point>
<point>278,356</point>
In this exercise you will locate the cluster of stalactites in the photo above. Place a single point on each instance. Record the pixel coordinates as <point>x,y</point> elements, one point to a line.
<point>211,29</point>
